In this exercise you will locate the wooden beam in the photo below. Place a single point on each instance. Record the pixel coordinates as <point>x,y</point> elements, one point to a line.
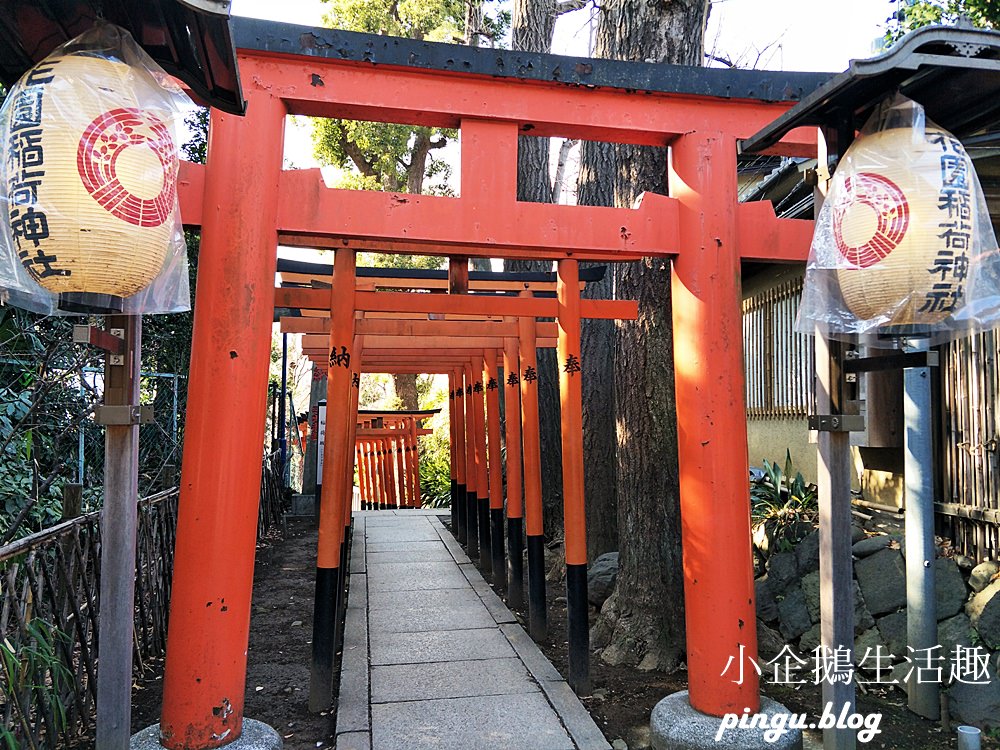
<point>409,344</point>
<point>443,99</point>
<point>400,220</point>
<point>417,247</point>
<point>389,327</point>
<point>761,236</point>
<point>531,307</point>
<point>370,283</point>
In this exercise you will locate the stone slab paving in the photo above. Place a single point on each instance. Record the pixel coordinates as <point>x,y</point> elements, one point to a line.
<point>434,659</point>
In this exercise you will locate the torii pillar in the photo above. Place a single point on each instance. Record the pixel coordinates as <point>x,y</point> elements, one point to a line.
<point>205,673</point>
<point>711,426</point>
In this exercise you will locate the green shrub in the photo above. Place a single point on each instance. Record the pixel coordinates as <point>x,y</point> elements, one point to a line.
<point>435,470</point>
<point>782,509</point>
<point>34,674</point>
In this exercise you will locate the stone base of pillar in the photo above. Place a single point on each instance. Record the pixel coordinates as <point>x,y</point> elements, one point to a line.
<point>256,736</point>
<point>677,726</point>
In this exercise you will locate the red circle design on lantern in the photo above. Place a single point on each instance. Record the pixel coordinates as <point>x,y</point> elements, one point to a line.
<point>97,158</point>
<point>892,212</point>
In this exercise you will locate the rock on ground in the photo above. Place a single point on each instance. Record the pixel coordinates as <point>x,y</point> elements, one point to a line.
<point>955,631</point>
<point>978,705</point>
<point>882,578</point>
<point>765,599</point>
<point>982,575</point>
<point>807,553</point>
<point>871,545</point>
<point>949,588</point>
<point>984,612</point>
<point>793,614</point>
<point>601,578</point>
<point>782,571</point>
<point>893,630</point>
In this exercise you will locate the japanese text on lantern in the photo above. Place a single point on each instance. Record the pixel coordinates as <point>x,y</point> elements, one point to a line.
<point>951,265</point>
<point>25,161</point>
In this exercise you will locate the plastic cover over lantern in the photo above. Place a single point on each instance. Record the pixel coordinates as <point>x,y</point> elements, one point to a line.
<point>903,246</point>
<point>88,182</point>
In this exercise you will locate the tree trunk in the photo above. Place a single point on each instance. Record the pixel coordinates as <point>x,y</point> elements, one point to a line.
<point>532,24</point>
<point>641,623</point>
<point>473,21</point>
<point>418,162</point>
<point>598,162</point>
<point>406,391</point>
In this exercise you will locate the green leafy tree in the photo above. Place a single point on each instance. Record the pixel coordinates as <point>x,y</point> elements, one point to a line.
<point>914,14</point>
<point>383,156</point>
<point>400,157</point>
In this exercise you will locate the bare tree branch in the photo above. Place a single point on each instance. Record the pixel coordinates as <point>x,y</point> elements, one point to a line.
<point>568,6</point>
<point>723,60</point>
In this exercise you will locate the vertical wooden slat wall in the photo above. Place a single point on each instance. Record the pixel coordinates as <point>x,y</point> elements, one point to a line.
<point>778,361</point>
<point>970,510</point>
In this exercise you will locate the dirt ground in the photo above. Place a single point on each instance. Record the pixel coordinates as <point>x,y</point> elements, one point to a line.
<point>621,702</point>
<point>277,685</point>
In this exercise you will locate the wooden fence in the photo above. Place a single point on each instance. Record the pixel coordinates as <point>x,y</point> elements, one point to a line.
<point>778,362</point>
<point>969,512</point>
<point>49,606</point>
<point>50,585</point>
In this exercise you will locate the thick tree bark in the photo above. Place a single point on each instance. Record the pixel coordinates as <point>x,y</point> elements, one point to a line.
<point>641,623</point>
<point>532,24</point>
<point>406,391</point>
<point>598,162</point>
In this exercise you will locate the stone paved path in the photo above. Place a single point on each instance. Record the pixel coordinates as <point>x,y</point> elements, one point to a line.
<point>433,658</point>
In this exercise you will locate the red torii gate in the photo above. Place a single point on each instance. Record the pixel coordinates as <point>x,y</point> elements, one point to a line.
<point>399,430</point>
<point>246,204</point>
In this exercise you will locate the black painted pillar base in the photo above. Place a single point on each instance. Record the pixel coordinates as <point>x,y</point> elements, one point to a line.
<point>485,555</point>
<point>452,507</point>
<point>497,549</point>
<point>471,524</point>
<point>579,628</point>
<point>459,529</point>
<point>324,639</point>
<point>515,563</point>
<point>341,594</point>
<point>538,626</point>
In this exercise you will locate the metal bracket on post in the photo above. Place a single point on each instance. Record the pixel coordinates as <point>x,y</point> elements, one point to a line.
<point>111,341</point>
<point>123,415</point>
<point>900,361</point>
<point>837,422</point>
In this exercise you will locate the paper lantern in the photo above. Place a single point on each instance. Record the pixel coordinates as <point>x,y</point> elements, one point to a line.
<point>92,194</point>
<point>904,222</point>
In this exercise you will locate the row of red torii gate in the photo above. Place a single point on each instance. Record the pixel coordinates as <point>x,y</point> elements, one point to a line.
<point>246,205</point>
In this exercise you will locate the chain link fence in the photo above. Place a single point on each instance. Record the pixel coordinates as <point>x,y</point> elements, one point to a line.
<point>160,441</point>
